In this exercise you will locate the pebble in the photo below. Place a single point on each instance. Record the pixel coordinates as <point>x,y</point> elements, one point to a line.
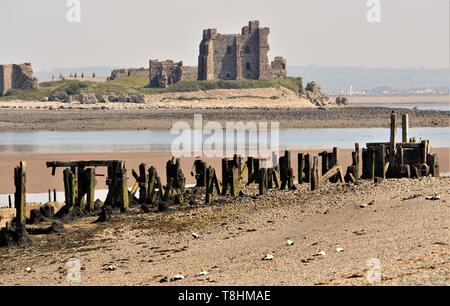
<point>204,273</point>
<point>268,257</point>
<point>339,249</point>
<point>290,243</point>
<point>321,253</point>
<point>435,197</point>
<point>177,277</point>
<point>195,236</point>
<point>28,269</point>
<point>111,268</point>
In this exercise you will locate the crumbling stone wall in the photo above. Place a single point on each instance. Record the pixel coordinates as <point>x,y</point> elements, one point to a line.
<point>279,67</point>
<point>235,56</point>
<point>15,76</point>
<point>124,73</point>
<point>167,71</point>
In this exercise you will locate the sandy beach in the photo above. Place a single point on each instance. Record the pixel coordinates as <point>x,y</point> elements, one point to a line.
<point>337,235</point>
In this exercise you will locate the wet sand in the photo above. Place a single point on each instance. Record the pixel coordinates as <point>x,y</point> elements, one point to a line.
<point>39,177</point>
<point>135,119</point>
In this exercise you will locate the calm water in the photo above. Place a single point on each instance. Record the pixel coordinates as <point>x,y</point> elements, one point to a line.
<point>160,140</point>
<point>420,106</point>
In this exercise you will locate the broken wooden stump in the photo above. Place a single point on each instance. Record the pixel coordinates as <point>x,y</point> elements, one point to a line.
<point>352,174</point>
<point>18,234</point>
<point>231,175</point>
<point>263,181</point>
<point>315,174</point>
<point>286,172</point>
<point>199,173</point>
<point>212,183</point>
<point>142,181</point>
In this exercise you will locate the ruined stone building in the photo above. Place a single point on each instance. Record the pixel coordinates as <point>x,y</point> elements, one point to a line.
<point>124,73</point>
<point>165,73</point>
<point>14,76</point>
<point>238,56</point>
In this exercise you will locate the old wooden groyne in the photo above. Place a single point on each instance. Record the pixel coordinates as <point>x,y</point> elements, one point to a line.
<point>377,161</point>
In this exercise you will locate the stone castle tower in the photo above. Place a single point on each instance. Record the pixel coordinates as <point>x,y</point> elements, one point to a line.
<point>238,56</point>
<point>14,76</point>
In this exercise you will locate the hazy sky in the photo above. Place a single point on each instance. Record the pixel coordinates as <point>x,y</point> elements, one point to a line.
<point>307,32</point>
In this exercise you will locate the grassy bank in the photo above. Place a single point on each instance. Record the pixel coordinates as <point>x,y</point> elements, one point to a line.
<point>138,86</point>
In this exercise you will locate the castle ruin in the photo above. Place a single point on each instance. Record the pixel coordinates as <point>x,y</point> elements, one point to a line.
<point>238,56</point>
<point>13,76</point>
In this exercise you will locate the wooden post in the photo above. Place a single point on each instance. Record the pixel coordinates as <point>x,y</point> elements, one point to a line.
<point>315,174</point>
<point>143,183</point>
<point>357,161</point>
<point>380,161</point>
<point>10,201</point>
<point>151,192</point>
<point>250,169</point>
<point>123,189</point>
<point>301,166</point>
<point>263,181</point>
<point>49,195</point>
<point>393,142</point>
<point>70,190</point>
<point>199,173</point>
<point>20,195</point>
<point>209,198</point>
<point>90,189</point>
<point>235,181</point>
<point>54,195</point>
<point>308,168</point>
<point>405,128</point>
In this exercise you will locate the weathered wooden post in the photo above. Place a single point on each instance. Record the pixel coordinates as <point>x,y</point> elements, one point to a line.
<point>263,181</point>
<point>9,201</point>
<point>235,181</point>
<point>211,183</point>
<point>356,160</point>
<point>301,166</point>
<point>250,170</point>
<point>143,183</point>
<point>20,195</point>
<point>286,171</point>
<point>70,190</point>
<point>308,168</point>
<point>49,195</point>
<point>405,128</point>
<point>380,161</point>
<point>123,187</point>
<point>315,174</point>
<point>199,173</point>
<point>90,189</point>
<point>393,142</point>
<point>54,195</point>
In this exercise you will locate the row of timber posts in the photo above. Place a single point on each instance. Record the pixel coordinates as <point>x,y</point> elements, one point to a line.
<point>149,184</point>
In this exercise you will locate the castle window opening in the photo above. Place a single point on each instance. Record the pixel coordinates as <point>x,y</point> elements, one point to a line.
<point>248,66</point>
<point>229,50</point>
